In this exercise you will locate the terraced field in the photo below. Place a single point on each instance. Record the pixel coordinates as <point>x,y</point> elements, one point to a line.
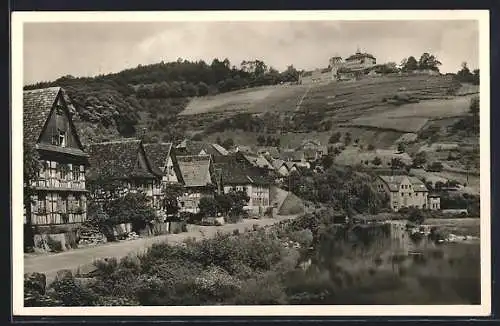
<point>255,100</point>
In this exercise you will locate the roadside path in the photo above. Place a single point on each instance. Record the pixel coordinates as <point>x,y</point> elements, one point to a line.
<point>84,257</point>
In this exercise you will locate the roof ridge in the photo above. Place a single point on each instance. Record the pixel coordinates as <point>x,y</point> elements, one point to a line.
<point>41,89</point>
<point>118,141</point>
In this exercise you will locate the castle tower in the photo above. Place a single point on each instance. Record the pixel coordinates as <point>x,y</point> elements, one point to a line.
<point>335,63</point>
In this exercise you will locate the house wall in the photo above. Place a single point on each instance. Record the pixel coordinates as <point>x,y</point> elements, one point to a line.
<point>405,196</point>
<point>259,196</point>
<point>361,63</point>
<point>283,171</point>
<point>190,200</point>
<point>60,196</point>
<point>434,203</point>
<point>59,121</point>
<point>170,175</point>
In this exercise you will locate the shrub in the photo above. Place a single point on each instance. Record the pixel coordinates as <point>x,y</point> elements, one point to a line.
<point>236,232</point>
<point>54,245</point>
<point>70,293</point>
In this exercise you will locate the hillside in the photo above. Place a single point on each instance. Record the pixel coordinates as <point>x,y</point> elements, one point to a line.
<point>168,101</point>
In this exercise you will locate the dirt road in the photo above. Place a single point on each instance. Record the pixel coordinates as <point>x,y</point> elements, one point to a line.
<point>83,258</point>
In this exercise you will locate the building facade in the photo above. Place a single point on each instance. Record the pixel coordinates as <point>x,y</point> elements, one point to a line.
<point>406,191</point>
<point>121,167</point>
<point>195,174</point>
<point>59,190</point>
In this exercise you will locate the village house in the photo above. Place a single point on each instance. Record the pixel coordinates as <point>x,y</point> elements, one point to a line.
<point>234,173</point>
<point>406,191</point>
<point>313,150</point>
<point>122,166</point>
<point>195,174</point>
<point>296,156</point>
<point>191,147</point>
<point>259,161</point>
<point>59,192</point>
<point>269,152</point>
<point>163,157</point>
<point>359,61</point>
<point>280,167</point>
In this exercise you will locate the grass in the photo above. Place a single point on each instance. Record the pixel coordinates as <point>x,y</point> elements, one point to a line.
<point>353,155</point>
<point>261,99</point>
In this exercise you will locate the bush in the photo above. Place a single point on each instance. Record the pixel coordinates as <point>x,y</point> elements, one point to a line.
<point>54,245</point>
<point>70,293</point>
<point>236,232</point>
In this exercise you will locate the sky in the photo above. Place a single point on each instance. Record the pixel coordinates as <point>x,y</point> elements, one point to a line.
<point>52,50</point>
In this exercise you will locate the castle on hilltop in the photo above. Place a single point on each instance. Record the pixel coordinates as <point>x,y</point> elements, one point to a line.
<point>339,69</point>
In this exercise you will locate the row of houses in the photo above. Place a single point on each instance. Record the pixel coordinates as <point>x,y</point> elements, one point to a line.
<point>61,189</point>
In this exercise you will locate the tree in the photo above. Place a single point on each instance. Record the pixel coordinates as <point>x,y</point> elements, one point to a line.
<point>171,193</point>
<point>396,163</point>
<point>371,147</point>
<point>261,140</point>
<point>208,206</point>
<point>428,61</point>
<point>132,208</point>
<point>419,160</point>
<point>335,138</point>
<point>377,161</point>
<point>415,216</point>
<point>228,143</point>
<point>410,64</point>
<point>202,89</point>
<point>435,167</point>
<point>347,138</point>
<point>326,161</point>
<point>401,147</point>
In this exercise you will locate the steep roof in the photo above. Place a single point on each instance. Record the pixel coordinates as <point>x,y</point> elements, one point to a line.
<point>118,160</point>
<point>37,106</point>
<point>233,169</point>
<point>220,149</point>
<point>258,161</point>
<point>394,182</point>
<point>191,147</point>
<point>278,163</point>
<point>273,151</point>
<point>158,153</point>
<point>194,170</point>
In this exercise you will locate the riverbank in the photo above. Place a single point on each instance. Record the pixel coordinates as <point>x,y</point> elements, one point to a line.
<point>83,258</point>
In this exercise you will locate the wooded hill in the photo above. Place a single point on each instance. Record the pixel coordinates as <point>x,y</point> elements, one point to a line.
<point>117,103</point>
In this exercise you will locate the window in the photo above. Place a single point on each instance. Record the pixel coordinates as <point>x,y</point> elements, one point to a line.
<point>59,139</point>
<point>41,204</point>
<point>76,173</point>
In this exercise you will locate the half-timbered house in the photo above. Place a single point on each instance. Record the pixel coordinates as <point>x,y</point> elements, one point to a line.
<point>59,191</point>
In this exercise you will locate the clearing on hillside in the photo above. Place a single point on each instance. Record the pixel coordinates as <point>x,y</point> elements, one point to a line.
<point>259,99</point>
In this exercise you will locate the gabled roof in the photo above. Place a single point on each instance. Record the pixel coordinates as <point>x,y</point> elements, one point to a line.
<point>37,106</point>
<point>258,161</point>
<point>233,169</point>
<point>220,149</point>
<point>191,147</point>
<point>394,182</point>
<point>158,153</point>
<point>118,160</point>
<point>278,163</point>
<point>194,170</point>
<point>295,155</point>
<point>273,151</point>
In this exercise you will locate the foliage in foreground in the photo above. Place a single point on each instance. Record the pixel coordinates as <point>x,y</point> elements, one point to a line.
<point>349,265</point>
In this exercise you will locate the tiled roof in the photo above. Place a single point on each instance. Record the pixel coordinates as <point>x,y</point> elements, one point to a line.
<point>118,160</point>
<point>394,182</point>
<point>37,105</point>
<point>273,151</point>
<point>233,169</point>
<point>220,149</point>
<point>278,163</point>
<point>194,170</point>
<point>158,153</point>
<point>191,147</point>
<point>258,161</point>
